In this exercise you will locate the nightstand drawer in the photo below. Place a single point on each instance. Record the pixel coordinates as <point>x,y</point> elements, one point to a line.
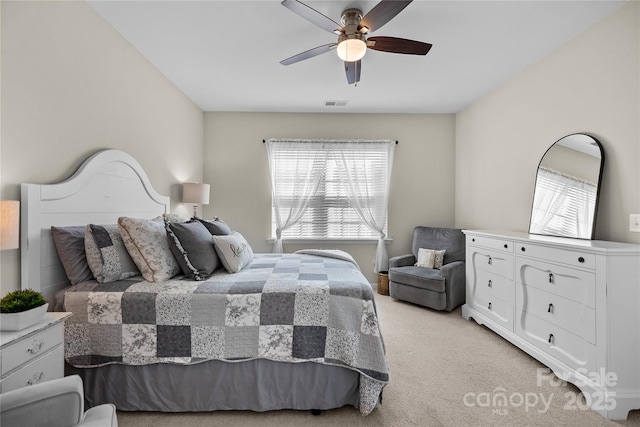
<point>31,347</point>
<point>47,367</point>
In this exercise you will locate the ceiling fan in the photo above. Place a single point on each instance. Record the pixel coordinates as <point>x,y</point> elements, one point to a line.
<point>353,40</point>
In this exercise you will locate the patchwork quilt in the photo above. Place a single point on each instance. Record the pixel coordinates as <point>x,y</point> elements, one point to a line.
<point>283,307</point>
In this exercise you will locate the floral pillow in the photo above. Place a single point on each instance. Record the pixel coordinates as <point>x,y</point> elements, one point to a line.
<point>146,241</point>
<point>430,258</point>
<point>234,251</point>
<point>106,254</point>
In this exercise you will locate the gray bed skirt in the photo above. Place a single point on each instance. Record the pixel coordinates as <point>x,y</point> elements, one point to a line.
<point>255,385</point>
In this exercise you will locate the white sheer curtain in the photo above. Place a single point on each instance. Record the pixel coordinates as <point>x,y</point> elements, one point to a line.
<point>367,175</point>
<point>562,205</point>
<point>293,187</point>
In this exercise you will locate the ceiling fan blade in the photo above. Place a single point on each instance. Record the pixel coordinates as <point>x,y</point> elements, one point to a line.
<point>309,54</point>
<point>353,71</point>
<point>313,16</point>
<point>396,45</point>
<point>382,13</point>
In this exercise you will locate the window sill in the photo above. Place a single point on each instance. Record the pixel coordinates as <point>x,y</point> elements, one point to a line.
<point>387,241</point>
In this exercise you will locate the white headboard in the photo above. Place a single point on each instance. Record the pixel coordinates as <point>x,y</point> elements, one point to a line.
<point>109,184</point>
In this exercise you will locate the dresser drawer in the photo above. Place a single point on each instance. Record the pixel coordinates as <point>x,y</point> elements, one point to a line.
<point>571,258</point>
<point>47,367</point>
<point>567,314</point>
<point>29,348</point>
<point>570,283</point>
<point>494,262</point>
<point>496,309</point>
<point>555,341</point>
<point>494,284</point>
<point>488,242</point>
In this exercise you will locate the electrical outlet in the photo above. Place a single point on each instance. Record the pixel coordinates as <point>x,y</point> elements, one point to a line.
<point>634,222</point>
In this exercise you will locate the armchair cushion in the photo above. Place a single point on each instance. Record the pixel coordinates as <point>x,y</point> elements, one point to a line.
<point>419,277</point>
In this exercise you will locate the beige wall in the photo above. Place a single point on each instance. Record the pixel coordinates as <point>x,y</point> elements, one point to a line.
<point>590,85</point>
<point>71,85</point>
<point>235,164</point>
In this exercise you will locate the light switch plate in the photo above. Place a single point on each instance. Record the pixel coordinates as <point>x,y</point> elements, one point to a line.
<point>634,222</point>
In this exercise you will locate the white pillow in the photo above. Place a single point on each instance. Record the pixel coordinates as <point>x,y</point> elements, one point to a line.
<point>234,251</point>
<point>146,241</point>
<point>430,258</point>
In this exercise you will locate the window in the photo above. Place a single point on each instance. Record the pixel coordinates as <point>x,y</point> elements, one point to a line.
<point>563,205</point>
<point>330,189</point>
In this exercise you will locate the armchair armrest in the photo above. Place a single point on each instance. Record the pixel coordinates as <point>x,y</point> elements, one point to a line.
<point>55,403</point>
<point>402,261</point>
<point>454,274</point>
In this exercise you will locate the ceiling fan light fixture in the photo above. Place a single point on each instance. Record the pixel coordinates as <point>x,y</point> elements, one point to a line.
<point>351,50</point>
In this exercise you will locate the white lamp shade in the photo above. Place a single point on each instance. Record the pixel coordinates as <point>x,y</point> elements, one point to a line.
<point>9,224</point>
<point>351,50</point>
<point>195,192</point>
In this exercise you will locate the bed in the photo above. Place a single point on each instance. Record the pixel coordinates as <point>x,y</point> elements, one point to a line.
<point>282,331</point>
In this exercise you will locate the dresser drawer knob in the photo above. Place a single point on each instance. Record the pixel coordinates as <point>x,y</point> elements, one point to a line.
<point>581,260</point>
<point>550,309</point>
<point>490,284</point>
<point>490,261</point>
<point>36,378</point>
<point>473,239</point>
<point>36,346</point>
<point>550,277</point>
<point>489,307</point>
<point>506,246</point>
<point>550,338</point>
<point>523,249</point>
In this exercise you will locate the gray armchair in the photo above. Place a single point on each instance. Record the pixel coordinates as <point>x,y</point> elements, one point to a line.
<point>439,289</point>
<point>54,403</point>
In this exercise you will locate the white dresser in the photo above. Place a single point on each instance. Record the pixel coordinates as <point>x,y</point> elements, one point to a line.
<point>572,304</point>
<point>34,354</point>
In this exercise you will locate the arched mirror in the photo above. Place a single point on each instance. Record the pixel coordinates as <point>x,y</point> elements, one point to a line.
<point>565,199</point>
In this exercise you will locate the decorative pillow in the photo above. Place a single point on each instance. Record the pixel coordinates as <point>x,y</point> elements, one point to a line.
<point>147,243</point>
<point>430,258</point>
<point>69,242</point>
<point>191,244</point>
<point>216,226</point>
<point>234,251</point>
<point>106,254</point>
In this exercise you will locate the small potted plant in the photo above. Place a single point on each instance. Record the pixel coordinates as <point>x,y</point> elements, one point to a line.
<point>21,309</point>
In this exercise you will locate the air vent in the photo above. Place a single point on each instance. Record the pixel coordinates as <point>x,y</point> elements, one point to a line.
<point>335,103</point>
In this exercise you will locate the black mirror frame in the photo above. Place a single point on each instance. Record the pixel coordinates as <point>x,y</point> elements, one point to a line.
<point>599,186</point>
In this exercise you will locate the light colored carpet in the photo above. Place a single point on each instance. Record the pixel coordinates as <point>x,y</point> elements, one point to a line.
<point>436,359</point>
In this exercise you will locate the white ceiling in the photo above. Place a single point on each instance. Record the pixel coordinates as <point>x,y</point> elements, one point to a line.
<point>224,55</point>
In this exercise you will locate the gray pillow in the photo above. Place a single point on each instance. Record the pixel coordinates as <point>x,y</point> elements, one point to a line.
<point>69,242</point>
<point>107,256</point>
<point>192,246</point>
<point>216,226</point>
<point>234,251</point>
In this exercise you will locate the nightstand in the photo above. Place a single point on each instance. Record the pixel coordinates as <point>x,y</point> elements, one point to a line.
<point>34,354</point>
